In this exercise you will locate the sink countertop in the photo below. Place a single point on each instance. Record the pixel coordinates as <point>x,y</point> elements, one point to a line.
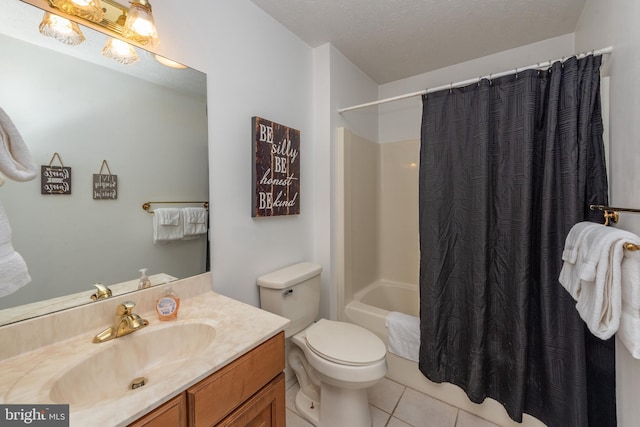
<point>27,377</point>
<point>40,308</point>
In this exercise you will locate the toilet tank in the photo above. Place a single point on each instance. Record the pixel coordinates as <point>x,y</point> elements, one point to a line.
<point>294,293</point>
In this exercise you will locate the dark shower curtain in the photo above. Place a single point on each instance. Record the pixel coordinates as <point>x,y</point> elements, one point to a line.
<point>507,167</point>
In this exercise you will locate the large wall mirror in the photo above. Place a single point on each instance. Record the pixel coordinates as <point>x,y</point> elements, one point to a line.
<point>149,123</point>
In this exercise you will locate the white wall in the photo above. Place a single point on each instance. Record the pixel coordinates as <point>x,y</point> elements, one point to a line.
<point>254,67</point>
<point>400,120</point>
<point>337,83</point>
<point>615,24</point>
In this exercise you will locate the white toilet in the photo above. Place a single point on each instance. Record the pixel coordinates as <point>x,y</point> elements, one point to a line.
<point>334,362</point>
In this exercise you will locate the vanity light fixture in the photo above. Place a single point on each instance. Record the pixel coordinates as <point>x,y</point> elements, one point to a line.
<point>133,23</point>
<point>85,9</point>
<point>61,29</point>
<point>120,51</point>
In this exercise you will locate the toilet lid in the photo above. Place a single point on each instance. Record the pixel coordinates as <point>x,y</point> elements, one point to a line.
<point>344,343</point>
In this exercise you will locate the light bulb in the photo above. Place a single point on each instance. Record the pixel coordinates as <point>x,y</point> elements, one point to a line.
<point>139,26</point>
<point>61,29</point>
<point>120,51</point>
<point>86,9</point>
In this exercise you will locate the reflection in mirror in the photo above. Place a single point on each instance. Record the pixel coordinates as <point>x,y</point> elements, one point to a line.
<point>148,121</point>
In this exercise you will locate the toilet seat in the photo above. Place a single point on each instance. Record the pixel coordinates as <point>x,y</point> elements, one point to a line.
<point>344,343</point>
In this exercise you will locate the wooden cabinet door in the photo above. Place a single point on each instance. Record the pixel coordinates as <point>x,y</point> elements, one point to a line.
<point>264,409</point>
<point>171,414</point>
<point>215,397</point>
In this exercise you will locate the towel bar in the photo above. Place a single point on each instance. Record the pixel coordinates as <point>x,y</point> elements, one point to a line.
<point>147,205</point>
<point>611,213</point>
<point>612,209</point>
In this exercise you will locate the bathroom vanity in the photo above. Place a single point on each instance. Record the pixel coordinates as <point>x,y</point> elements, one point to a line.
<point>248,391</point>
<point>219,364</point>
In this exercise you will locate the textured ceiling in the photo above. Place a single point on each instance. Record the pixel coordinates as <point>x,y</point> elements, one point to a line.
<point>394,39</point>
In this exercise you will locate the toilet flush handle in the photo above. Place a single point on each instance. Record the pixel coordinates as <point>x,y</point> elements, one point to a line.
<point>287,292</point>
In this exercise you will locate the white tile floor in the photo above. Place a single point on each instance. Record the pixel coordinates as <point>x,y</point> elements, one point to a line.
<point>394,405</point>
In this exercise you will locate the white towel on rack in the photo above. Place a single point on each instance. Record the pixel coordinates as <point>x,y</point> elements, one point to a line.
<point>195,222</point>
<point>167,225</point>
<point>629,329</point>
<point>630,271</point>
<point>598,272</point>
<point>575,245</point>
<point>404,335</point>
<point>13,270</point>
<point>15,160</point>
<point>629,332</point>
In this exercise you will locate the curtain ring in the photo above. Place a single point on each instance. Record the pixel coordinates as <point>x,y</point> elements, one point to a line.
<point>516,70</point>
<point>450,87</point>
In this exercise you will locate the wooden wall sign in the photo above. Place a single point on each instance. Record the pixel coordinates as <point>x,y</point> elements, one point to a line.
<point>55,179</point>
<point>276,169</point>
<point>105,186</point>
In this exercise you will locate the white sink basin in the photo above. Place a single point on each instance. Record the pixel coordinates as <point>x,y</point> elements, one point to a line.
<point>155,353</point>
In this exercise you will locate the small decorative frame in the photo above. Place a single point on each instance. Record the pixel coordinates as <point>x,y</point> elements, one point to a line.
<point>55,179</point>
<point>276,169</point>
<point>105,186</point>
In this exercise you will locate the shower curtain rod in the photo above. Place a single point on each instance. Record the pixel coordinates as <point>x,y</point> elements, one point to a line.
<point>598,52</point>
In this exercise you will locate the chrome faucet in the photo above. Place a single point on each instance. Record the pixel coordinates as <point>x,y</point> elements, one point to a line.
<point>102,292</point>
<point>126,323</point>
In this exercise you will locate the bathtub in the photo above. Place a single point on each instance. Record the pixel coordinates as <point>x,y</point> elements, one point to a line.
<point>369,309</point>
<point>371,305</point>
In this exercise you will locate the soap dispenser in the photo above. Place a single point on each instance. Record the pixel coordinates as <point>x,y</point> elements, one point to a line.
<point>144,281</point>
<point>168,304</point>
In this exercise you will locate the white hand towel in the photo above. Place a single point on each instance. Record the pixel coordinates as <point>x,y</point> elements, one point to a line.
<point>573,242</point>
<point>629,329</point>
<point>15,160</point>
<point>630,271</point>
<point>195,222</point>
<point>600,300</point>
<point>629,332</point>
<point>13,270</point>
<point>167,225</point>
<point>598,244</point>
<point>575,246</point>
<point>404,335</point>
